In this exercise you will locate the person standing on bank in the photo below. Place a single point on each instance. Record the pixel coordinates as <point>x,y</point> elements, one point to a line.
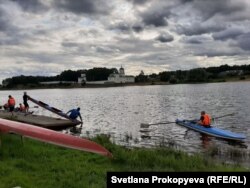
<point>74,114</point>
<point>25,102</point>
<point>11,104</point>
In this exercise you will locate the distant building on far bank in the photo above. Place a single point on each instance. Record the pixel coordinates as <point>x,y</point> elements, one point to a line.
<point>121,77</point>
<point>113,78</point>
<point>82,79</point>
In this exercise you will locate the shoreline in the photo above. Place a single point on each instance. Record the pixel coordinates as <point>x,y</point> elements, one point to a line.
<point>151,83</point>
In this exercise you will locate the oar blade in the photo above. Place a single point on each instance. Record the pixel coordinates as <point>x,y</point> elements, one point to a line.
<point>144,125</point>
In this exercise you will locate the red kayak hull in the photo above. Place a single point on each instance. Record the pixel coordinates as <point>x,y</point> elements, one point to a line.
<point>53,137</point>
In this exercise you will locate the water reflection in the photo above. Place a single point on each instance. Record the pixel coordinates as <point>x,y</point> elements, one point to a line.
<point>205,141</point>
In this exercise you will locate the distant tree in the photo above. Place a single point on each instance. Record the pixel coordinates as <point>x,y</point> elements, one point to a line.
<point>223,68</point>
<point>181,76</point>
<point>197,75</point>
<point>165,76</point>
<point>153,76</point>
<point>98,73</point>
<point>141,77</point>
<point>69,75</point>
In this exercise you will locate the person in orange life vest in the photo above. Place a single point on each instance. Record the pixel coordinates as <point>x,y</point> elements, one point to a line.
<point>11,103</point>
<point>205,119</point>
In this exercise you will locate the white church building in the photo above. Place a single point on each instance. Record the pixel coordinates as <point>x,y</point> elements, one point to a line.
<point>119,77</point>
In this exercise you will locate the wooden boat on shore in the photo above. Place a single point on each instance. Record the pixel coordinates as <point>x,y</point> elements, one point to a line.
<point>39,120</point>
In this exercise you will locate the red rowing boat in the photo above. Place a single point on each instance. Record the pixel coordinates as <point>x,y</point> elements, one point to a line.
<point>53,137</point>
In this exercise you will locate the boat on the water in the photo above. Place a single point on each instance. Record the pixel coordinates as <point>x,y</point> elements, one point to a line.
<point>212,131</point>
<point>39,120</point>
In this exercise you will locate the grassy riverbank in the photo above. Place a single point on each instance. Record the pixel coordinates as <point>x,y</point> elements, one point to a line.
<point>32,164</point>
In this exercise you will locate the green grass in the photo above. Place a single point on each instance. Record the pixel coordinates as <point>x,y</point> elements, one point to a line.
<point>32,164</point>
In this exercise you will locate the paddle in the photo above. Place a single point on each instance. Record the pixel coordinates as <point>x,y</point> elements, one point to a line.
<point>159,123</point>
<point>223,116</point>
<point>169,122</point>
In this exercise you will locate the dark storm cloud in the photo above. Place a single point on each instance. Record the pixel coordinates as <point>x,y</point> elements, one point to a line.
<point>4,24</point>
<point>156,19</point>
<point>11,32</point>
<point>165,37</point>
<point>69,44</point>
<point>195,40</point>
<point>158,13</point>
<point>10,41</point>
<point>34,6</point>
<point>199,29</point>
<point>122,26</point>
<point>84,6</point>
<point>139,2</point>
<point>244,41</point>
<point>211,8</point>
<point>133,45</point>
<point>231,33</point>
<point>138,28</point>
<point>127,27</point>
<point>214,17</point>
<point>214,53</point>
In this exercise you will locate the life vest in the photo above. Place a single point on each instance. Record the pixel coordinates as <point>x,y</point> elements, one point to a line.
<point>206,121</point>
<point>11,101</point>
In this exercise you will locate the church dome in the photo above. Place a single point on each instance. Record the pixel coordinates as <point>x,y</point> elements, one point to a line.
<point>121,70</point>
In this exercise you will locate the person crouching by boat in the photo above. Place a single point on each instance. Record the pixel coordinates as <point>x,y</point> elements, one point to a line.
<point>74,114</point>
<point>21,107</point>
<point>6,106</point>
<point>11,103</point>
<point>205,120</point>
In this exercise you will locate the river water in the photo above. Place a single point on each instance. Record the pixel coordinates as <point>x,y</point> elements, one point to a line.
<point>121,112</point>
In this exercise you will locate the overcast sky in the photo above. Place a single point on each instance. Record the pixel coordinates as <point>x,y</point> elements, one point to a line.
<point>45,37</point>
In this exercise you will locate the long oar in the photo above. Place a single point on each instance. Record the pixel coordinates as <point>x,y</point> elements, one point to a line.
<point>169,122</point>
<point>159,123</point>
<point>224,116</point>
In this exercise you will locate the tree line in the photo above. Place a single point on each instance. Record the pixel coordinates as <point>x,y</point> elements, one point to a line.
<point>204,74</point>
<point>100,73</point>
<point>95,74</point>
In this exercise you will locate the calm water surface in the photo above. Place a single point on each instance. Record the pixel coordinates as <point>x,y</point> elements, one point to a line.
<point>120,111</point>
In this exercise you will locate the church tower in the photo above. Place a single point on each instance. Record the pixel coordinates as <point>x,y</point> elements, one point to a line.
<point>121,71</point>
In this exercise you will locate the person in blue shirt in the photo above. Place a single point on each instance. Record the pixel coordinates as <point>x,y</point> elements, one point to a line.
<point>74,114</point>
